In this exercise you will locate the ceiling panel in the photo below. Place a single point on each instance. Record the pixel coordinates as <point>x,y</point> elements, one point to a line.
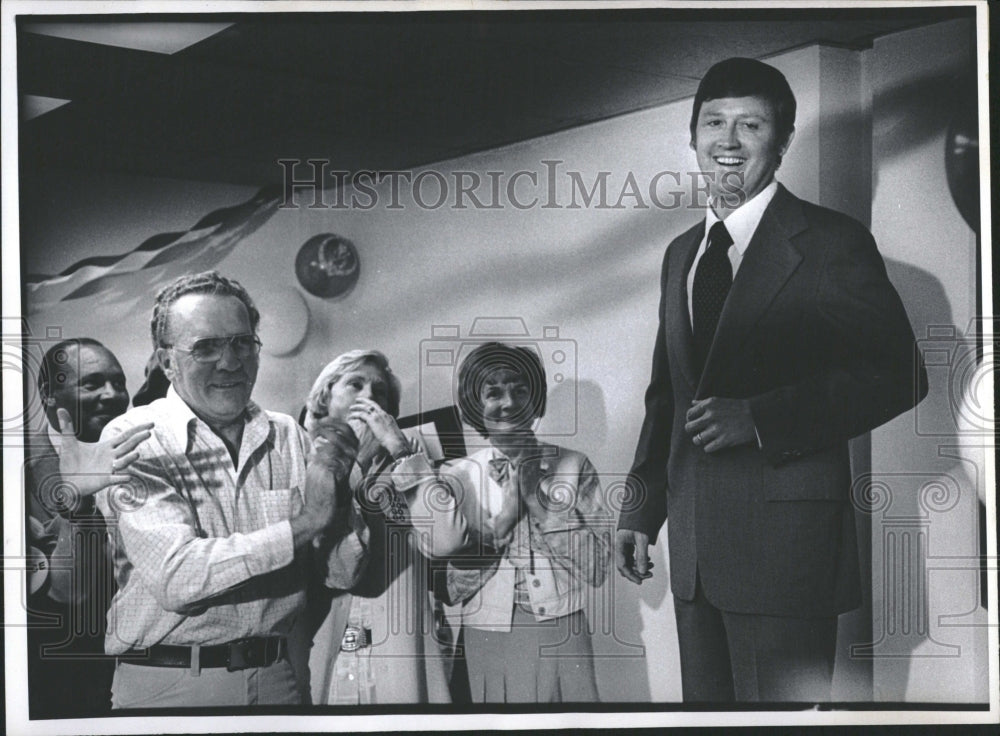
<point>376,90</point>
<point>161,37</point>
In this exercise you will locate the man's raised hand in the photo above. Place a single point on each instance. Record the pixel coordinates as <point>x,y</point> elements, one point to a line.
<point>91,466</point>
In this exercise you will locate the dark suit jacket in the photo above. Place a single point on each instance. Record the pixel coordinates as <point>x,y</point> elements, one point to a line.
<point>67,615</point>
<point>815,336</point>
<point>74,537</point>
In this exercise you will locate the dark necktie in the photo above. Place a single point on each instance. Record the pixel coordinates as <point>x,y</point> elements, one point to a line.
<point>711,286</point>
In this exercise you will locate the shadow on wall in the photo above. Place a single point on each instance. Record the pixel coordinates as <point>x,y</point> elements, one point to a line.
<point>925,505</point>
<point>580,404</point>
<point>907,116</point>
<point>614,610</point>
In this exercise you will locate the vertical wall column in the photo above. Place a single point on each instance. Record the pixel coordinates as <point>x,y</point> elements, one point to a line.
<point>929,635</point>
<point>830,163</point>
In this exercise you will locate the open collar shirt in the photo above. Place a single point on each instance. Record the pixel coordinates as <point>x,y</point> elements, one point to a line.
<point>203,548</point>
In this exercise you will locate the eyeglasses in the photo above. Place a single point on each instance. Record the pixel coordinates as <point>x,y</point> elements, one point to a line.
<point>210,349</point>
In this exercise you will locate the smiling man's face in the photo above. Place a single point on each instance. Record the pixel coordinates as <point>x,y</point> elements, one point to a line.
<point>738,147</point>
<point>90,385</point>
<point>217,391</point>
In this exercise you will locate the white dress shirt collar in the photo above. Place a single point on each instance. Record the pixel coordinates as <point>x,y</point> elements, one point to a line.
<point>742,222</point>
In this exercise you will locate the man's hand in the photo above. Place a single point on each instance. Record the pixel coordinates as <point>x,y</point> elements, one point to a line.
<point>91,466</point>
<point>632,555</point>
<point>717,423</point>
<point>327,479</point>
<point>335,447</point>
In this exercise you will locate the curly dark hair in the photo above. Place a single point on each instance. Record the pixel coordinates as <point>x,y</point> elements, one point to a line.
<point>207,282</point>
<point>486,360</point>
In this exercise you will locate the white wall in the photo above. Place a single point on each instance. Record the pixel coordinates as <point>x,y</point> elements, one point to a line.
<point>592,273</point>
<point>931,634</point>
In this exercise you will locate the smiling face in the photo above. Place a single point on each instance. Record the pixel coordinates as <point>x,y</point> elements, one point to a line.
<point>508,408</point>
<point>91,386</point>
<point>738,148</point>
<point>218,392</point>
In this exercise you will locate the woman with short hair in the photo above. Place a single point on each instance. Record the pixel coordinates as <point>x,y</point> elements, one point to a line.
<point>543,533</point>
<point>375,643</point>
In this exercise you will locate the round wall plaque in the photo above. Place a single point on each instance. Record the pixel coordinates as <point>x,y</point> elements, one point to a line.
<point>327,265</point>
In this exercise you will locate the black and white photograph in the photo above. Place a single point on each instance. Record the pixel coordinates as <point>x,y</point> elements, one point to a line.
<point>491,365</point>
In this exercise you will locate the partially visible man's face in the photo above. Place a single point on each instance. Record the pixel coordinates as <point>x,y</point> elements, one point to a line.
<point>90,385</point>
<point>218,391</point>
<point>738,147</point>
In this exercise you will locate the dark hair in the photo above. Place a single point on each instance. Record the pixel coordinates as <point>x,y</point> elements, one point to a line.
<point>55,359</point>
<point>486,360</point>
<point>207,282</point>
<point>738,77</point>
<point>155,386</point>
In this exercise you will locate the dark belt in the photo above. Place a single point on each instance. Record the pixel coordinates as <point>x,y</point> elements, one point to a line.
<point>242,654</point>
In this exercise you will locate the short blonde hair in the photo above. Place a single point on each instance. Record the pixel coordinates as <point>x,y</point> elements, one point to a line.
<point>319,394</point>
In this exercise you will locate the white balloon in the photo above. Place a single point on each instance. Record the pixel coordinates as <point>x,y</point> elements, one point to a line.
<point>284,320</point>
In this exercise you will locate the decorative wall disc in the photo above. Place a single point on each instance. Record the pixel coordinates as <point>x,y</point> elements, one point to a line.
<point>327,265</point>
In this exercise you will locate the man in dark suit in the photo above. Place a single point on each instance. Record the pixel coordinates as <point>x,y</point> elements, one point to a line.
<point>780,338</point>
<point>82,387</point>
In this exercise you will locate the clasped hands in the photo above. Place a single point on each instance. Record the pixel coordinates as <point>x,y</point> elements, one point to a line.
<point>527,497</point>
<point>375,428</point>
<point>328,470</point>
<point>339,444</point>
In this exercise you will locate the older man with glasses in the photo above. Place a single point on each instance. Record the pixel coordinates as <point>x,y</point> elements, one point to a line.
<point>211,534</point>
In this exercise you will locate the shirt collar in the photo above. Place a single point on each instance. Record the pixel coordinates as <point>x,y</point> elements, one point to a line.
<point>743,221</point>
<point>543,460</point>
<point>178,418</point>
<point>496,454</point>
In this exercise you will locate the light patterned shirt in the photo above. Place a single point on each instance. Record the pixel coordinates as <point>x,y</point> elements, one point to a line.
<point>559,558</point>
<point>202,549</point>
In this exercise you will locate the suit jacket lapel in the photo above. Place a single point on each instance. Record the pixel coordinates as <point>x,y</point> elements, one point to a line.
<point>678,318</point>
<point>768,262</point>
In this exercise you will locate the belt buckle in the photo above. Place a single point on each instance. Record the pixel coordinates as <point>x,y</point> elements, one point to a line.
<point>242,656</point>
<point>353,640</point>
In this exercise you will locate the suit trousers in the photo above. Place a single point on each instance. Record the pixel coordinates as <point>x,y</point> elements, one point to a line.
<point>728,656</point>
